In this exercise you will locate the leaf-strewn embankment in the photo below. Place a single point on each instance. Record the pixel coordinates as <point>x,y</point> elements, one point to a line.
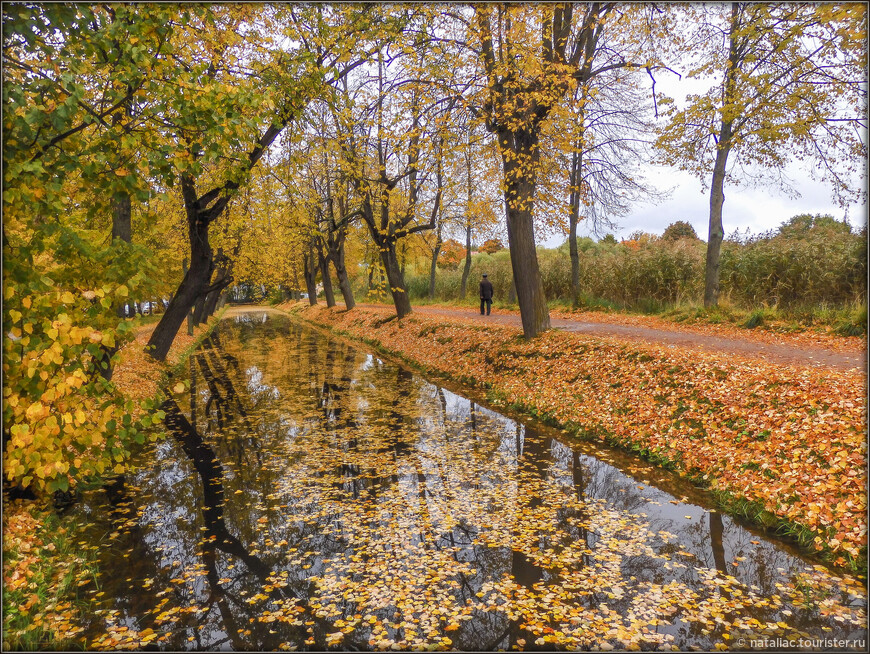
<point>783,443</point>
<point>50,580</point>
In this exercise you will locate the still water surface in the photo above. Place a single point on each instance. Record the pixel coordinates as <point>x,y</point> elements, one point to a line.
<point>313,495</point>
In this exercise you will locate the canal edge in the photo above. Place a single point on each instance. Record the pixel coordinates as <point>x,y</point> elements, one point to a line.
<point>733,504</point>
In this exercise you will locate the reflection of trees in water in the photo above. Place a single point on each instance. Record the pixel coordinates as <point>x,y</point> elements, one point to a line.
<point>217,535</point>
<point>237,612</point>
<point>358,457</point>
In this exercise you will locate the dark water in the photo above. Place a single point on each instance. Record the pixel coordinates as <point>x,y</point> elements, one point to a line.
<point>312,495</point>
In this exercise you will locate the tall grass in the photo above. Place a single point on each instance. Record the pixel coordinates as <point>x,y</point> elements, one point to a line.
<point>813,269</point>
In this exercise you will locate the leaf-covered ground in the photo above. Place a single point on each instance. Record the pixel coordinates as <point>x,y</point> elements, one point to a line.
<point>787,437</point>
<point>35,602</point>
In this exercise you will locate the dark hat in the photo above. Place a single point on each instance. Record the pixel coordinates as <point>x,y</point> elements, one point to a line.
<point>484,274</point>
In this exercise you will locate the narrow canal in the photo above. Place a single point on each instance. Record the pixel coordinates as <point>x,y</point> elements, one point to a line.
<point>312,495</point>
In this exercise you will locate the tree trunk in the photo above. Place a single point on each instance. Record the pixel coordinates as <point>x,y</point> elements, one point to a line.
<point>191,287</point>
<point>434,266</point>
<point>469,193</point>
<point>223,277</point>
<point>310,274</point>
<point>404,259</point>
<point>395,279</point>
<point>466,269</point>
<point>521,149</point>
<point>195,279</point>
<point>199,311</point>
<point>717,185</point>
<point>341,272</point>
<point>122,228</point>
<point>199,316</point>
<point>214,296</point>
<point>324,273</point>
<point>573,219</point>
<point>716,233</point>
<point>122,223</point>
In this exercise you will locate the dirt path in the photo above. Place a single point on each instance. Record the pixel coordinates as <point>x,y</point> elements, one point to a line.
<point>782,352</point>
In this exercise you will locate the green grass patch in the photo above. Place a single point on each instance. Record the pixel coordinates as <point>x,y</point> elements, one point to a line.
<point>57,570</point>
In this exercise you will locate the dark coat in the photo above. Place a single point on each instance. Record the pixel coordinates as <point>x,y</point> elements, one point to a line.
<point>485,290</point>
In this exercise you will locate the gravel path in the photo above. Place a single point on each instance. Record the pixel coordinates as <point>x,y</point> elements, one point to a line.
<point>775,353</point>
<point>780,353</point>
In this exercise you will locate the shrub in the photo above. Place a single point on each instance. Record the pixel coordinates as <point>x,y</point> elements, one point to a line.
<point>810,262</point>
<point>807,262</point>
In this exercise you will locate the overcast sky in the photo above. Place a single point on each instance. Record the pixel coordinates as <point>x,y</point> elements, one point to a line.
<point>757,208</point>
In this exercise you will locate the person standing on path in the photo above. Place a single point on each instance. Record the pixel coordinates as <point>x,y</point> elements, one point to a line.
<point>485,295</point>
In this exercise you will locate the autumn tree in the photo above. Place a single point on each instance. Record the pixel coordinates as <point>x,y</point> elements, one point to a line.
<point>533,57</point>
<point>325,176</point>
<point>788,84</point>
<point>230,122</point>
<point>389,131</point>
<point>678,230</point>
<point>272,213</point>
<point>73,83</point>
<point>219,119</point>
<point>491,246</point>
<point>476,169</point>
<point>603,138</point>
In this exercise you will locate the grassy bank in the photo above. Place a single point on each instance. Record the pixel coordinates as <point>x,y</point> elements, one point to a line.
<point>46,572</point>
<point>784,443</point>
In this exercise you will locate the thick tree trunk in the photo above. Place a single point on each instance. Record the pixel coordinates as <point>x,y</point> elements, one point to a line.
<point>324,274</point>
<point>395,279</point>
<point>189,290</point>
<point>519,202</point>
<point>573,219</point>
<point>716,233</point>
<point>195,279</point>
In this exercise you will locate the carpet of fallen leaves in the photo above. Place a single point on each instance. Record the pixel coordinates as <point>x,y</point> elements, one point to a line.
<point>34,605</point>
<point>28,561</point>
<point>816,337</point>
<point>138,375</point>
<point>790,438</point>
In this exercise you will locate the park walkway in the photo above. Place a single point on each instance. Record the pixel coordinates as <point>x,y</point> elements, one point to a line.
<point>843,354</point>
